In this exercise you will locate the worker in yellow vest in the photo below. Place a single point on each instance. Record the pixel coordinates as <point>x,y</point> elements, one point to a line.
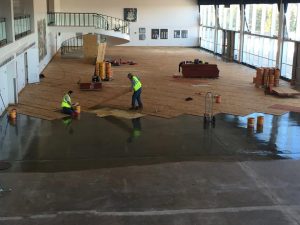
<point>136,86</point>
<point>66,104</point>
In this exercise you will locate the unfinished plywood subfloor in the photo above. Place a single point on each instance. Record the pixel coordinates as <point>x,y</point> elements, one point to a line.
<point>162,94</point>
<point>125,114</point>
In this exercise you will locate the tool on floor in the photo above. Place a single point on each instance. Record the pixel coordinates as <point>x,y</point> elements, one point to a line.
<point>208,114</point>
<point>4,190</point>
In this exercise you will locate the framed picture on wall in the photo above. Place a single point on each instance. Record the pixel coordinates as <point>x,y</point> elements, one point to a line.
<point>164,33</point>
<point>155,33</point>
<point>184,33</point>
<point>142,34</point>
<point>42,41</point>
<point>142,30</point>
<point>130,14</point>
<point>177,34</point>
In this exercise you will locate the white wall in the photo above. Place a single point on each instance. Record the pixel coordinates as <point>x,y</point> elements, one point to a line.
<point>17,50</point>
<point>152,14</point>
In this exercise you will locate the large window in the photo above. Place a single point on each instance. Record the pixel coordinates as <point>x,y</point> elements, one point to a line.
<point>262,19</point>
<point>207,38</point>
<point>207,13</point>
<point>22,25</point>
<point>293,22</point>
<point>287,59</point>
<point>261,30</point>
<point>229,17</point>
<point>3,38</point>
<point>259,51</point>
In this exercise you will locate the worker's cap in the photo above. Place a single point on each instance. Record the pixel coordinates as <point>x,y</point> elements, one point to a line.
<point>130,75</point>
<point>70,92</point>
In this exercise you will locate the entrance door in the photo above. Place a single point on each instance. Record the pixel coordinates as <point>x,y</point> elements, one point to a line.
<point>20,73</point>
<point>11,80</point>
<point>33,66</point>
<point>3,89</point>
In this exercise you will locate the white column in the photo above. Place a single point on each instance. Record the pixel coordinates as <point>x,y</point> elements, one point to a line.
<point>199,31</point>
<point>280,37</point>
<point>242,30</point>
<point>216,27</point>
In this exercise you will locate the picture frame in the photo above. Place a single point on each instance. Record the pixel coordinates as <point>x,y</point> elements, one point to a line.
<point>142,33</point>
<point>184,33</point>
<point>155,33</point>
<point>177,34</point>
<point>130,14</point>
<point>164,33</point>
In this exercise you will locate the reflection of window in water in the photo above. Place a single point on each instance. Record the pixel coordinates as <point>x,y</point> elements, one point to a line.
<point>176,33</point>
<point>184,34</point>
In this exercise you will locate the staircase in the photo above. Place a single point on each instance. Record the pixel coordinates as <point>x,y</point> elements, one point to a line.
<point>73,47</point>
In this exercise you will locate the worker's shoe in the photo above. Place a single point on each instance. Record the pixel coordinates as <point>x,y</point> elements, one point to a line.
<point>132,108</point>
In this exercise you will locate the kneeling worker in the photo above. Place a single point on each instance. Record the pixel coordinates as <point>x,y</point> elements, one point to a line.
<point>66,104</point>
<point>136,86</point>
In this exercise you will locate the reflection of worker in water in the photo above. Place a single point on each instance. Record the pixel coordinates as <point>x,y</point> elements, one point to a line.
<point>67,121</point>
<point>136,129</point>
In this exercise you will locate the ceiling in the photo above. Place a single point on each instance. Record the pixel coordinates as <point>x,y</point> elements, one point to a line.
<point>228,2</point>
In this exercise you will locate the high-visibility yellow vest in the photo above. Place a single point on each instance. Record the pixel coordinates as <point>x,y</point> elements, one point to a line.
<point>136,83</point>
<point>64,103</point>
<point>136,133</point>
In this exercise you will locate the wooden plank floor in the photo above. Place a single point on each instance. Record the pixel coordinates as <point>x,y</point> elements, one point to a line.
<point>162,94</point>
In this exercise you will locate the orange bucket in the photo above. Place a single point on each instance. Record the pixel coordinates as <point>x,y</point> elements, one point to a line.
<point>260,121</point>
<point>277,74</point>
<point>78,109</point>
<point>108,70</point>
<point>271,79</point>
<point>102,70</point>
<point>13,114</point>
<point>218,98</point>
<point>251,122</point>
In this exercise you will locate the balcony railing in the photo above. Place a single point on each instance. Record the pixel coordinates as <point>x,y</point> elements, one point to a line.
<point>88,20</point>
<point>22,25</point>
<point>3,37</point>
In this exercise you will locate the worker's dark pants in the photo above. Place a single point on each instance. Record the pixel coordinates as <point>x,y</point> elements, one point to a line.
<point>68,111</point>
<point>136,97</point>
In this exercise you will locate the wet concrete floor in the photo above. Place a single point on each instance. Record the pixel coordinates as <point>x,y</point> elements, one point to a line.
<point>89,142</point>
<point>150,171</point>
